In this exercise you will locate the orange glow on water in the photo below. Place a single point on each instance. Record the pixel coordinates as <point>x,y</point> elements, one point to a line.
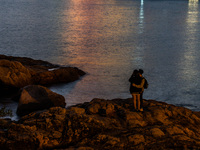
<point>87,23</point>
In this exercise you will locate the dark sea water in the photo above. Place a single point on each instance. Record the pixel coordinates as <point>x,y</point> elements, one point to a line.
<point>108,39</point>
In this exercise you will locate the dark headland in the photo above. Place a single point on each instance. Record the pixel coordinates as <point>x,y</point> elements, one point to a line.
<point>98,124</point>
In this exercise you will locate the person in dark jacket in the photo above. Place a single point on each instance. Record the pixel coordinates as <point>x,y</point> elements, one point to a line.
<point>136,88</point>
<point>140,85</point>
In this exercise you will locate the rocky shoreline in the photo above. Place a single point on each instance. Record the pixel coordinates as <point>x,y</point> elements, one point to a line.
<point>104,124</point>
<point>95,125</point>
<point>17,72</point>
<point>23,79</point>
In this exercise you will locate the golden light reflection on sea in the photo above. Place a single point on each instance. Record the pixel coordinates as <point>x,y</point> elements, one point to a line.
<point>92,27</point>
<point>190,54</point>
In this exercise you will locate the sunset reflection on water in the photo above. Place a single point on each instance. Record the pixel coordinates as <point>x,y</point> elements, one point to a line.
<point>96,34</point>
<point>191,53</point>
<point>108,39</point>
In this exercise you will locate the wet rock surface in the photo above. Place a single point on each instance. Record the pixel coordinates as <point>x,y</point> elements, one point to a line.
<point>104,124</point>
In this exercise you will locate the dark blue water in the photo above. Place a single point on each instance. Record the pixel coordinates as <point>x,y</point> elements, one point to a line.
<point>108,39</point>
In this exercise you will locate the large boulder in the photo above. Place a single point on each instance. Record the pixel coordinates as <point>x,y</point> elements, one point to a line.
<point>36,97</point>
<point>14,74</point>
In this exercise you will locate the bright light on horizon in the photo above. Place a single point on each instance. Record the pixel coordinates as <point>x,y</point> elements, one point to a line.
<point>142,2</point>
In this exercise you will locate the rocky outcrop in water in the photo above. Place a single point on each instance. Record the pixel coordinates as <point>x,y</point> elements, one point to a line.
<point>104,124</point>
<point>17,72</point>
<point>36,97</point>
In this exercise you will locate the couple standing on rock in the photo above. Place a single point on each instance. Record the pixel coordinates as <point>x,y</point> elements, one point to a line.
<point>138,84</point>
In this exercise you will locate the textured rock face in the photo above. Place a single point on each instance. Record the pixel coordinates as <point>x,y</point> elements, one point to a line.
<point>35,97</point>
<point>102,124</point>
<point>14,74</point>
<point>17,72</point>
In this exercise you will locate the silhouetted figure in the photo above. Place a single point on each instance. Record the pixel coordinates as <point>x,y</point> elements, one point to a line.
<point>137,88</point>
<point>135,91</point>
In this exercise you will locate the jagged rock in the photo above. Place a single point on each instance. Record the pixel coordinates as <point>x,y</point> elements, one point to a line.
<point>83,127</point>
<point>35,97</point>
<point>99,106</point>
<point>156,132</point>
<point>17,72</point>
<point>136,139</point>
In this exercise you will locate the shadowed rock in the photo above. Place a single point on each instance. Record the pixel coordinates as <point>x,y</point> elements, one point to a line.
<point>35,97</point>
<point>105,124</point>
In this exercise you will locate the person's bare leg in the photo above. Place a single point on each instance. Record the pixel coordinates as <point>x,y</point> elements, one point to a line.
<point>138,100</point>
<point>134,101</point>
<point>140,108</point>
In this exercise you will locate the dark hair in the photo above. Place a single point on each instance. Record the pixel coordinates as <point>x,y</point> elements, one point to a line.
<point>135,71</point>
<point>141,71</point>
